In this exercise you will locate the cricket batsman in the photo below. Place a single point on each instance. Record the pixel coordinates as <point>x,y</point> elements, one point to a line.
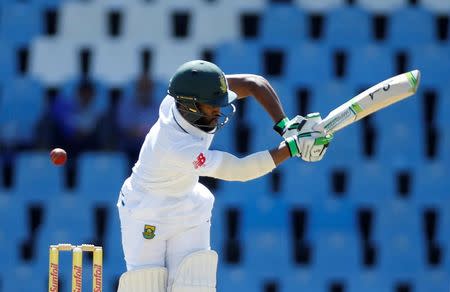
<point>164,211</point>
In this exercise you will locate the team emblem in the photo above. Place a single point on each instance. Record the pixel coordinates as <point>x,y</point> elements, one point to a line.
<point>223,83</point>
<point>149,231</point>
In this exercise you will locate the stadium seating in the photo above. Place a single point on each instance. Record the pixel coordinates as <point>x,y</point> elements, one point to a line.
<point>401,28</point>
<point>318,6</point>
<point>116,63</point>
<point>86,32</point>
<point>20,22</point>
<point>242,57</point>
<point>436,5</point>
<point>8,67</point>
<point>368,280</point>
<point>11,235</point>
<point>308,64</point>
<point>369,65</point>
<point>20,109</point>
<point>36,179</point>
<point>432,60</point>
<point>336,255</point>
<point>110,171</point>
<point>282,33</point>
<point>339,32</point>
<point>57,67</point>
<point>383,6</point>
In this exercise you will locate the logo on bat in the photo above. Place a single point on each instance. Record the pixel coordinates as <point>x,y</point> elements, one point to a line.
<point>385,88</point>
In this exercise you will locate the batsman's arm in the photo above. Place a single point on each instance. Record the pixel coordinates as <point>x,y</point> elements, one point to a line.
<point>257,86</point>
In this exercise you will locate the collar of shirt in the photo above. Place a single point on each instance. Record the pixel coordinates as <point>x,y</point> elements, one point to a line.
<point>186,126</point>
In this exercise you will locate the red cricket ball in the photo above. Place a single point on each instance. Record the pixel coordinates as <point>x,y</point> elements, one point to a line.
<point>58,156</point>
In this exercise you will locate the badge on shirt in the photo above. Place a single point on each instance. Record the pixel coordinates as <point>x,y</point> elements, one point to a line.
<point>149,231</point>
<point>200,161</point>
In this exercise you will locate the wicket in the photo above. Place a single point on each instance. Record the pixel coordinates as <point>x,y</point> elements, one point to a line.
<point>77,266</point>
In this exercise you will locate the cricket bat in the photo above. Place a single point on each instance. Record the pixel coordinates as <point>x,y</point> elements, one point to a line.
<point>373,99</point>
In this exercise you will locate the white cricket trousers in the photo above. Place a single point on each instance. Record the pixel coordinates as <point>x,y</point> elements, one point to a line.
<point>168,251</point>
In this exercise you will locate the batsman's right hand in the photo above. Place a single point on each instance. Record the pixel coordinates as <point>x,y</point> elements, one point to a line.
<point>310,146</point>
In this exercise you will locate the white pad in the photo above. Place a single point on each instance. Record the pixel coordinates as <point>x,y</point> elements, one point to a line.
<point>144,280</point>
<point>197,273</point>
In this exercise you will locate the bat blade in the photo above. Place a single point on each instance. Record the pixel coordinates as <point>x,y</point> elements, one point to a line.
<point>379,96</point>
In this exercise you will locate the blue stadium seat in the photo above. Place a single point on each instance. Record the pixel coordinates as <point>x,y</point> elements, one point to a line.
<point>370,183</point>
<point>302,279</point>
<point>410,27</point>
<point>340,27</point>
<point>382,6</point>
<point>346,147</point>
<point>88,31</point>
<point>368,281</point>
<point>8,67</point>
<point>171,54</point>
<point>436,5</point>
<point>235,192</point>
<point>116,63</point>
<point>308,64</point>
<point>55,68</point>
<point>433,62</point>
<point>369,65</point>
<point>13,229</point>
<point>400,257</point>
<point>432,280</point>
<point>319,6</point>
<point>266,246</point>
<point>36,178</point>
<point>113,252</point>
<point>443,233</point>
<point>284,33</point>
<point>304,183</point>
<point>398,236</point>
<point>332,215</point>
<point>265,214</point>
<point>397,218</point>
<point>336,254</point>
<point>287,97</point>
<point>224,140</point>
<point>49,3</point>
<point>430,183</point>
<point>238,57</point>
<point>22,278</point>
<point>20,22</point>
<point>69,90</point>
<point>101,175</point>
<point>206,26</point>
<point>219,223</point>
<point>68,219</point>
<point>20,108</point>
<point>442,115</point>
<point>236,278</point>
<point>404,120</point>
<point>265,232</point>
<point>328,95</point>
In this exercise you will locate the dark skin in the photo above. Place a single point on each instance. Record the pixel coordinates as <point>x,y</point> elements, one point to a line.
<point>245,85</point>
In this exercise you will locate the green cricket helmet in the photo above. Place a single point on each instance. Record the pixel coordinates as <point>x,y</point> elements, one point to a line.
<point>200,81</point>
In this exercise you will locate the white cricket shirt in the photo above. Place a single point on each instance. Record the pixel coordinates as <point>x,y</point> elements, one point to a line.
<point>163,187</point>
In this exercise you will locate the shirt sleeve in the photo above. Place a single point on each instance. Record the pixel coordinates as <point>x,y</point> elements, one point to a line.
<point>198,159</point>
<point>223,165</point>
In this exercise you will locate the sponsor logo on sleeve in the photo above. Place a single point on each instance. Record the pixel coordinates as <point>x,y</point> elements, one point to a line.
<point>200,161</point>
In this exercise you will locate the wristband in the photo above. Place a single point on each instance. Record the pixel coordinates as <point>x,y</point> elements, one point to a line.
<point>292,146</point>
<point>281,125</point>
